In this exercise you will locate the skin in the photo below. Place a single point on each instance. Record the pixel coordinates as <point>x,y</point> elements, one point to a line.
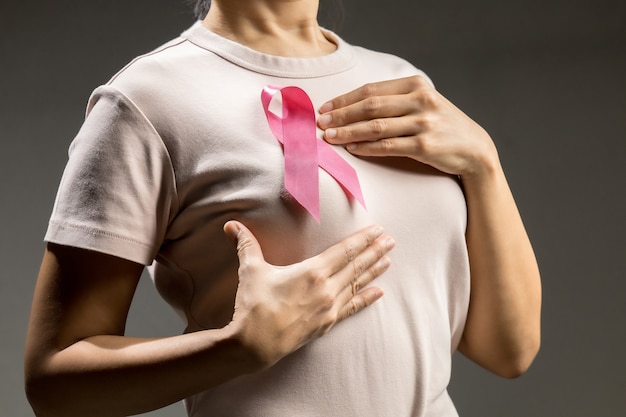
<point>409,118</point>
<point>76,339</point>
<point>276,27</point>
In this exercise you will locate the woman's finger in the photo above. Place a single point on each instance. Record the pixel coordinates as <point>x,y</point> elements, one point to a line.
<point>248,247</point>
<point>359,302</point>
<point>375,107</point>
<point>376,129</point>
<point>357,284</point>
<point>365,267</point>
<point>382,88</point>
<point>393,146</point>
<point>337,257</point>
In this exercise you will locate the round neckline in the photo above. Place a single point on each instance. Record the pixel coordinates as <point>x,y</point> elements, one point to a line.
<point>342,59</point>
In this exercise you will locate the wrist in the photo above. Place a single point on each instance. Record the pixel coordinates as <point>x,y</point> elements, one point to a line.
<point>485,169</point>
<point>253,354</point>
<point>245,352</point>
<point>487,184</point>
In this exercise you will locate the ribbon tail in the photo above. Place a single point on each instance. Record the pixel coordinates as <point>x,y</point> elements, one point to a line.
<point>302,178</point>
<point>299,142</point>
<point>337,167</point>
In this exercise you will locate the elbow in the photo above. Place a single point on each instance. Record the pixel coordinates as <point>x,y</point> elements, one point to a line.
<point>43,392</point>
<point>44,406</point>
<point>50,391</point>
<point>37,383</point>
<point>516,362</point>
<point>507,359</point>
<point>36,394</point>
<point>514,368</point>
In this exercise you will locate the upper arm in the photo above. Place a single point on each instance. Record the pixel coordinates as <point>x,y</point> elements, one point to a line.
<point>79,294</point>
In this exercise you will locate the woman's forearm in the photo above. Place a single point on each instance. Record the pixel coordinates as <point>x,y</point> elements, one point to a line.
<point>119,376</point>
<point>407,117</point>
<point>503,325</point>
<point>78,363</point>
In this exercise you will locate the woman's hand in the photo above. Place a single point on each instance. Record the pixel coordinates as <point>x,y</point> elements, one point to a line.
<point>408,117</point>
<point>279,309</point>
<point>76,341</point>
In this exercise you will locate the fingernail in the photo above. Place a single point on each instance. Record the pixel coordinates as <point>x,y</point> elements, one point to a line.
<point>328,106</point>
<point>330,133</point>
<point>390,243</point>
<point>325,119</point>
<point>234,224</point>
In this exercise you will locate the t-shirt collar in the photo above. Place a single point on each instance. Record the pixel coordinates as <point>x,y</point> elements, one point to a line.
<point>342,59</point>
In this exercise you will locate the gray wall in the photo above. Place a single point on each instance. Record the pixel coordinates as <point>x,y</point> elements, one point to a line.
<point>546,78</point>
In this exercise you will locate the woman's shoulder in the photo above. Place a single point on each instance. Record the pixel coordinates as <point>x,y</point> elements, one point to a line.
<point>152,69</point>
<point>156,80</point>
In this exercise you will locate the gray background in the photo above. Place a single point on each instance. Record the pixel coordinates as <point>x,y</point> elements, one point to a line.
<point>546,79</point>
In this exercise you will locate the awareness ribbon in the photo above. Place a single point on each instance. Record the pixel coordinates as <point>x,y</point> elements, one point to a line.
<point>304,152</point>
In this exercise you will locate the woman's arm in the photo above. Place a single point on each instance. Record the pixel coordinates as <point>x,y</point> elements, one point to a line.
<point>503,327</point>
<point>408,117</point>
<point>79,363</point>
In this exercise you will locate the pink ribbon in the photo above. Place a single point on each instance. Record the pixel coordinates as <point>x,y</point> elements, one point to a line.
<point>304,152</point>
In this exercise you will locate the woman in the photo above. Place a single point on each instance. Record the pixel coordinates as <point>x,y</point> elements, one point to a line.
<point>179,154</point>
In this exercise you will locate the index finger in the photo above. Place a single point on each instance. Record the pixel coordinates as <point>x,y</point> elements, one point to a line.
<point>381,88</point>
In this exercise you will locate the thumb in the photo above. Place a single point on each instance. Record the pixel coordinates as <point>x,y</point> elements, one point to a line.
<point>248,247</point>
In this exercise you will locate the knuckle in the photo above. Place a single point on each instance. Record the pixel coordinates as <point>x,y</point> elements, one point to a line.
<point>380,250</point>
<point>347,134</point>
<point>326,301</point>
<point>357,268</point>
<point>370,89</point>
<point>415,97</point>
<point>417,82</point>
<point>244,269</point>
<point>374,272</point>
<point>425,122</point>
<point>386,145</point>
<point>355,286</point>
<point>353,307</point>
<point>421,145</point>
<point>316,277</point>
<point>371,105</point>
<point>368,276</point>
<point>243,243</point>
<point>340,117</point>
<point>377,127</point>
<point>428,99</point>
<point>245,265</point>
<point>350,252</point>
<point>338,103</point>
<point>337,117</point>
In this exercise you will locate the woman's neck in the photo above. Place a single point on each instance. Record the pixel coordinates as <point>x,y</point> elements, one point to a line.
<point>277,27</point>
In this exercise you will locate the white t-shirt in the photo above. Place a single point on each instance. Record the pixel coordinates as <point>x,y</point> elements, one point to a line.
<point>177,143</point>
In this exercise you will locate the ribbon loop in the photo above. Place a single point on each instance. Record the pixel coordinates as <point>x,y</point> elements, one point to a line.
<point>304,152</point>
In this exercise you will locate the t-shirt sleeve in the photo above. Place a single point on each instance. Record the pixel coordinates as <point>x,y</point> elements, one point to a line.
<point>118,192</point>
